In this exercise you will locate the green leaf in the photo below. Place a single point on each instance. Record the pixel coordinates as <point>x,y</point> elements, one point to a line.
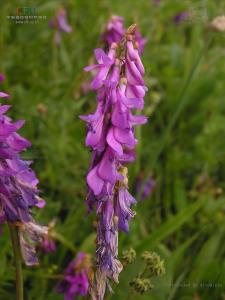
<point>89,243</point>
<point>170,226</point>
<point>206,255</point>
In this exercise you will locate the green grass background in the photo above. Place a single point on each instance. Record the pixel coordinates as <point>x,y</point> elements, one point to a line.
<point>182,144</point>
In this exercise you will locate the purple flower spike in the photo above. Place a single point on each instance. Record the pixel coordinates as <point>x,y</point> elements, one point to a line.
<point>18,187</point>
<point>111,136</point>
<point>75,282</point>
<point>60,24</point>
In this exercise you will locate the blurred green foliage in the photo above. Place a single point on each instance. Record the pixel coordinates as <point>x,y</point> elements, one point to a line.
<point>183,143</point>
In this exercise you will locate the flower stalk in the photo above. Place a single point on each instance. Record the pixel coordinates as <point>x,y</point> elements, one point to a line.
<point>18,260</point>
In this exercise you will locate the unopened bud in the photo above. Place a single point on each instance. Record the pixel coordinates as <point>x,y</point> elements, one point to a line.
<point>131,29</point>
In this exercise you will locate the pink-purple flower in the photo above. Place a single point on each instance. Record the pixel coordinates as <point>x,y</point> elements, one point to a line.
<point>60,24</point>
<point>18,186</point>
<point>75,280</point>
<point>111,136</point>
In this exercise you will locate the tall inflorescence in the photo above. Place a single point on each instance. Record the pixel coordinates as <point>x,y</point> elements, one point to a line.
<point>18,186</point>
<point>120,89</point>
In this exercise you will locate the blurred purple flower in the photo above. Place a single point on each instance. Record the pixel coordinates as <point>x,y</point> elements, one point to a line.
<point>120,89</point>
<point>148,187</point>
<point>60,24</point>
<point>75,282</point>
<point>181,17</point>
<point>18,186</point>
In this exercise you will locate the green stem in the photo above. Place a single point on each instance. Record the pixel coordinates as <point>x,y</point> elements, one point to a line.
<point>42,275</point>
<point>18,262</point>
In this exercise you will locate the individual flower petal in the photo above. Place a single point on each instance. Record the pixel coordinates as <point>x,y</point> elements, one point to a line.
<point>137,119</point>
<point>134,56</point>
<point>112,142</point>
<point>133,75</point>
<point>4,108</point>
<point>135,91</point>
<point>119,117</point>
<point>125,136</point>
<point>123,211</point>
<point>107,167</point>
<point>30,235</point>
<point>18,143</point>
<point>4,95</point>
<point>94,181</point>
<point>102,58</point>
